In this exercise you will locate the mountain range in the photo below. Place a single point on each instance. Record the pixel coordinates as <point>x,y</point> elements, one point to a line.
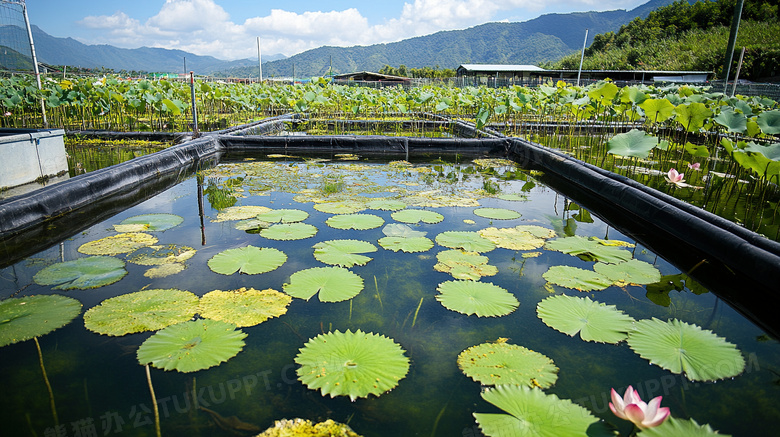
<point>546,38</point>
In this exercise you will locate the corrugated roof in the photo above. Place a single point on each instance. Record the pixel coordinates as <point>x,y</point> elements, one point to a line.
<point>499,67</point>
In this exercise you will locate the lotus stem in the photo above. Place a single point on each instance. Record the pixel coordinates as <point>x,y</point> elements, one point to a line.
<point>414,320</point>
<point>378,295</point>
<point>154,403</point>
<point>48,385</point>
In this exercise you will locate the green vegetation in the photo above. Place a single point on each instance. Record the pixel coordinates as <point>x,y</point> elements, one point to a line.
<point>426,72</point>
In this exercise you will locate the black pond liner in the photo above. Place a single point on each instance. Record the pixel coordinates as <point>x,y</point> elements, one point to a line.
<point>741,267</point>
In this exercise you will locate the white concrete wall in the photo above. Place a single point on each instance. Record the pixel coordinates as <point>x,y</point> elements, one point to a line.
<point>28,154</point>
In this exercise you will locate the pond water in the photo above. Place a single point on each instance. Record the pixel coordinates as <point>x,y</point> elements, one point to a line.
<point>100,388</point>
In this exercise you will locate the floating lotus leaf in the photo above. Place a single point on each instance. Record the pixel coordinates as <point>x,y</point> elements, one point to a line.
<point>305,427</point>
<point>680,428</point>
<point>433,200</point>
<point>149,222</point>
<point>494,162</point>
<point>289,231</point>
<point>616,243</point>
<point>344,253</point>
<point>346,207</point>
<point>682,348</point>
<point>629,272</point>
<point>595,321</point>
<point>240,213</point>
<point>360,222</point>
<point>517,238</point>
<point>116,244</point>
<point>159,255</point>
<point>253,225</point>
<point>334,284</point>
<point>532,413</point>
<point>501,363</point>
<point>497,213</point>
<point>416,216</point>
<point>165,270</point>
<point>192,346</point>
<point>145,310</point>
<point>82,273</point>
<point>22,318</point>
<point>283,216</point>
<point>480,298</point>
<point>250,260</point>
<point>243,307</point>
<point>464,265</point>
<point>466,240</point>
<point>406,244</point>
<point>512,197</point>
<point>386,205</point>
<point>351,364</point>
<point>399,230</point>
<point>589,250</point>
<point>576,278</point>
<point>537,231</point>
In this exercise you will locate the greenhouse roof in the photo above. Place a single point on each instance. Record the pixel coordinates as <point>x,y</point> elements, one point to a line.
<point>499,67</point>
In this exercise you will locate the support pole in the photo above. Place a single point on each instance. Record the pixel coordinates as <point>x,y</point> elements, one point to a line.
<point>736,76</point>
<point>732,43</point>
<point>259,59</point>
<point>35,63</point>
<point>194,106</point>
<point>582,57</point>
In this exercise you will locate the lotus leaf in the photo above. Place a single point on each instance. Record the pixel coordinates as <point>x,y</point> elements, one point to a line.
<point>386,205</point>
<point>253,225</point>
<point>494,162</point>
<point>340,207</point>
<point>769,122</point>
<point>334,284</point>
<point>360,222</point>
<point>629,272</point>
<point>480,298</point>
<point>683,348</point>
<point>160,255</point>
<point>680,428</point>
<point>192,346</point>
<point>464,265</point>
<point>82,273</point>
<point>732,120</point>
<point>165,270</point>
<point>431,200</point>
<point>344,253</point>
<point>116,244</point>
<point>512,197</point>
<point>240,213</point>
<point>22,318</point>
<point>497,213</point>
<point>532,413</point>
<point>517,238</point>
<point>149,222</point>
<point>634,143</point>
<point>595,321</point>
<point>304,427</point>
<point>576,278</point>
<point>351,364</point>
<point>243,307</point>
<point>501,363</point>
<point>588,250</point>
<point>399,230</point>
<point>466,240</point>
<point>250,260</point>
<point>283,216</point>
<point>145,310</point>
<point>406,244</point>
<point>289,231</point>
<point>416,216</point>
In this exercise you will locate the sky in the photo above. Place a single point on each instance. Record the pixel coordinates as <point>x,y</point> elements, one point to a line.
<point>229,29</point>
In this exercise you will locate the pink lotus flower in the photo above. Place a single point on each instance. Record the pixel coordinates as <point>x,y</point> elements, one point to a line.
<point>675,178</point>
<point>631,407</point>
<point>694,166</point>
<point>7,114</point>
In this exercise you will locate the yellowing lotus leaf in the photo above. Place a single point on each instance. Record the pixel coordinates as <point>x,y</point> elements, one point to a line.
<point>116,244</point>
<point>243,307</point>
<point>240,213</point>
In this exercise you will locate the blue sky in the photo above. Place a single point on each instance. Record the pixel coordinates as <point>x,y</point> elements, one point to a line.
<point>228,29</point>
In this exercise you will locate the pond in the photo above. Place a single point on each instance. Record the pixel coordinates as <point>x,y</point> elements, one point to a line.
<point>415,293</point>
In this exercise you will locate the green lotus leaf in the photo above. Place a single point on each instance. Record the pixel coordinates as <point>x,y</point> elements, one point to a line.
<point>283,216</point>
<point>399,230</point>
<point>344,253</point>
<point>250,260</point>
<point>406,244</point>
<point>683,348</point>
<point>243,307</point>
<point>351,364</point>
<point>629,272</point>
<point>769,122</point>
<point>732,120</point>
<point>595,321</point>
<point>517,238</point>
<point>386,205</point>
<point>589,250</point>
<point>192,346</point>
<point>334,284</point>
<point>289,231</point>
<point>576,278</point>
<point>537,231</point>
<point>497,213</point>
<point>145,310</point>
<point>414,216</point>
<point>240,213</point>
<point>116,244</point>
<point>22,318</point>
<point>501,363</point>
<point>345,207</point>
<point>466,240</point>
<point>82,273</point>
<point>532,413</point>
<point>680,428</point>
<point>360,222</point>
<point>512,197</point>
<point>464,265</point>
<point>634,143</point>
<point>149,222</point>
<point>481,298</point>
<point>160,255</point>
<point>252,225</point>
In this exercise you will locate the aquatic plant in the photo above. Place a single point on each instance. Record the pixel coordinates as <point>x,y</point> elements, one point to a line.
<point>145,310</point>
<point>243,307</point>
<point>344,253</point>
<point>334,284</point>
<point>501,363</point>
<point>82,273</point>
<point>249,260</point>
<point>480,298</point>
<point>594,321</point>
<point>149,222</point>
<point>631,407</point>
<point>289,231</point>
